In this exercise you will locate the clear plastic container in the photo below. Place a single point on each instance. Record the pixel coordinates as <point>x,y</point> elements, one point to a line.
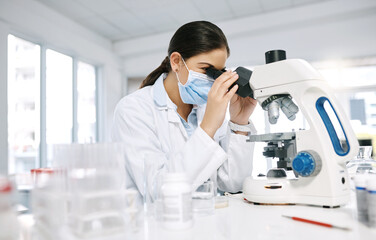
<point>153,178</point>
<point>50,203</point>
<point>5,191</point>
<point>41,176</point>
<point>86,194</point>
<point>362,163</point>
<point>203,201</point>
<point>98,224</point>
<point>97,201</point>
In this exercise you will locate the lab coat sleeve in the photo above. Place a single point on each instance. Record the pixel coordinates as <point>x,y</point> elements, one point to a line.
<point>135,126</point>
<point>239,163</point>
<point>200,157</point>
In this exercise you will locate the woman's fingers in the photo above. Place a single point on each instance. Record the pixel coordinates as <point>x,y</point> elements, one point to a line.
<point>222,87</point>
<point>218,99</point>
<point>227,84</point>
<point>224,76</point>
<point>231,93</point>
<point>219,81</point>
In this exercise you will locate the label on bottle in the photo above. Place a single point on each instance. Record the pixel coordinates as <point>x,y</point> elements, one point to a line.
<point>361,199</point>
<point>177,208</point>
<point>371,199</point>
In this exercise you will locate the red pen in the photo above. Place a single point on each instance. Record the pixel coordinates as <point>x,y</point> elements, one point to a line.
<point>316,222</point>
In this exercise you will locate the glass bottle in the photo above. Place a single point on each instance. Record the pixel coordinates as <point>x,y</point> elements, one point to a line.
<point>362,163</point>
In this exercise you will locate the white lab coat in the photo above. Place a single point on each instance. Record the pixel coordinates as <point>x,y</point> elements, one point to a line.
<point>147,123</point>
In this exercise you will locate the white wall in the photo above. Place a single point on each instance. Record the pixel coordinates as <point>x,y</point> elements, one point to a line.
<point>36,22</point>
<point>328,30</point>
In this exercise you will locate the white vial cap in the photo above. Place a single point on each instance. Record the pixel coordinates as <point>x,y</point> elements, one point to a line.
<point>360,180</point>
<point>175,177</point>
<point>371,183</point>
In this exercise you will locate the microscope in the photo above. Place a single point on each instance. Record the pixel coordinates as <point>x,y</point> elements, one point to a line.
<point>311,166</point>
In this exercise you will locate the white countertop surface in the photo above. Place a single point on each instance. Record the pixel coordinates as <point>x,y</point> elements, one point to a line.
<point>242,220</point>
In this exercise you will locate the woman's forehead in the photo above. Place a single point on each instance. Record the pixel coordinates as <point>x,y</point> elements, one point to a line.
<point>216,58</point>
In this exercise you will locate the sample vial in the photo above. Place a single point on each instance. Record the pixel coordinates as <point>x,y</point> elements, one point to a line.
<point>176,201</point>
<point>371,200</point>
<point>360,182</point>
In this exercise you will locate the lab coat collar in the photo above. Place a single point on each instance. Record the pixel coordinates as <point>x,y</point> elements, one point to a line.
<point>162,101</point>
<point>159,92</point>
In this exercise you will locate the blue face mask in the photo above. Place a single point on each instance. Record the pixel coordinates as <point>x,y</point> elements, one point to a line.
<point>196,89</point>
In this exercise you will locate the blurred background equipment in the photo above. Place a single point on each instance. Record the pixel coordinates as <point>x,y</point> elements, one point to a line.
<point>84,193</point>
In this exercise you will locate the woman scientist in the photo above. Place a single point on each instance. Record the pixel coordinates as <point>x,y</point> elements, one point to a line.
<point>177,117</point>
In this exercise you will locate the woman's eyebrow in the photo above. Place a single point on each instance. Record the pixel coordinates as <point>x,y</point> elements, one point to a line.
<point>212,65</point>
<point>206,64</point>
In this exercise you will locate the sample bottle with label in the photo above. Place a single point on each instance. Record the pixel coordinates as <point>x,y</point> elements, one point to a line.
<point>362,163</point>
<point>176,201</point>
<point>371,201</point>
<point>360,182</point>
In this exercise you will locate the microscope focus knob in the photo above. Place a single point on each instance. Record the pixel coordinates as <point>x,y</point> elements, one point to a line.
<point>307,163</point>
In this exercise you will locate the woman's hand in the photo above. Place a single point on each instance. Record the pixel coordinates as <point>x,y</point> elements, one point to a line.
<point>241,109</point>
<point>218,99</point>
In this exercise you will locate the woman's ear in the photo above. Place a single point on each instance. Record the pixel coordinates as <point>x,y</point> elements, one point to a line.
<point>175,61</point>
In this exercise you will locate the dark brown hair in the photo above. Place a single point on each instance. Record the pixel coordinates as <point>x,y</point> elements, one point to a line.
<point>190,40</point>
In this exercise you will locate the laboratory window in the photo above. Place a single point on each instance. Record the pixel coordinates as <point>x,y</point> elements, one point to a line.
<point>355,88</point>
<point>86,103</point>
<point>23,104</point>
<point>52,99</point>
<point>59,107</point>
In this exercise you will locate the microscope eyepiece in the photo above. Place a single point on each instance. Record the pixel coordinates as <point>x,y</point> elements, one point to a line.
<point>214,73</point>
<point>244,89</point>
<point>275,56</point>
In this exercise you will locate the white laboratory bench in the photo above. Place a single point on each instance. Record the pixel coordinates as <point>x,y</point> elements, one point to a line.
<point>242,220</point>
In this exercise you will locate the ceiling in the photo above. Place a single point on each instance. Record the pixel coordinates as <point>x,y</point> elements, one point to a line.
<point>125,19</point>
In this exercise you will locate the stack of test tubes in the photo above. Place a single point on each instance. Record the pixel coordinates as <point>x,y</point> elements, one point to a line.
<point>49,202</point>
<point>90,198</point>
